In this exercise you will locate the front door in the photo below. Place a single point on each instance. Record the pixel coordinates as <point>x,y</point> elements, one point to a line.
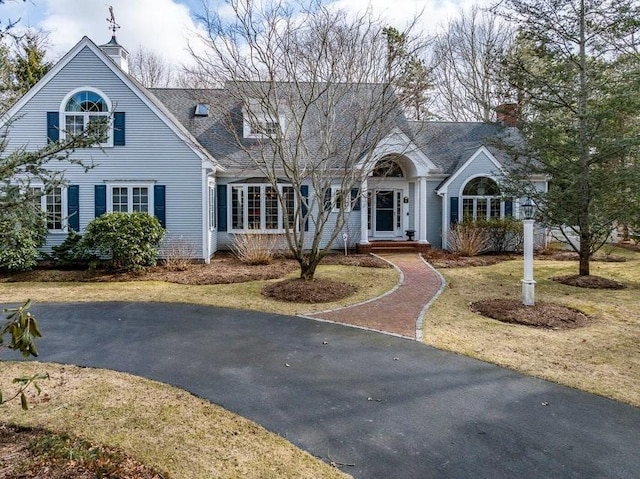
<point>387,215</point>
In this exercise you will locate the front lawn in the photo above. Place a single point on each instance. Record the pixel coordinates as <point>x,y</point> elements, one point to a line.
<point>602,357</point>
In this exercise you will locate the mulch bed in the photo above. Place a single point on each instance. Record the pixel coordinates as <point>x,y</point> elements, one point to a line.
<point>223,269</point>
<point>542,315</point>
<point>303,291</point>
<point>591,281</point>
<point>36,453</point>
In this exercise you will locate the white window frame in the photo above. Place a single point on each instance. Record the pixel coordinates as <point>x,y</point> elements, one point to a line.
<point>86,115</point>
<point>213,205</point>
<point>489,199</point>
<point>254,122</point>
<point>245,208</point>
<point>63,204</point>
<point>130,187</point>
<point>335,190</point>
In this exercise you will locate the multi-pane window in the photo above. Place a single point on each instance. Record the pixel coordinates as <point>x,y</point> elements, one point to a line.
<point>51,203</point>
<point>130,199</point>
<point>481,199</point>
<point>257,207</point>
<point>87,108</point>
<point>237,208</point>
<point>290,202</point>
<point>212,206</point>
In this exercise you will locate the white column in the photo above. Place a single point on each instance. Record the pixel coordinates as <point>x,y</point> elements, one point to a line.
<point>528,283</point>
<point>364,211</point>
<point>422,222</point>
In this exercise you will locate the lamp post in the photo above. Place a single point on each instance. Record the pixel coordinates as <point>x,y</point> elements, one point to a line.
<point>528,283</point>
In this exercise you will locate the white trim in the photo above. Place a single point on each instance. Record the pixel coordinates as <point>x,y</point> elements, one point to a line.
<point>64,206</point>
<point>483,149</point>
<point>398,143</point>
<point>63,113</point>
<point>146,97</point>
<point>245,209</point>
<point>130,185</point>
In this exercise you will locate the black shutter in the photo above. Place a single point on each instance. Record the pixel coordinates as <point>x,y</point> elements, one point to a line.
<point>159,209</point>
<point>118,129</point>
<point>222,207</point>
<point>53,126</point>
<point>453,210</point>
<point>73,207</point>
<point>508,209</point>
<point>100,200</point>
<point>355,199</point>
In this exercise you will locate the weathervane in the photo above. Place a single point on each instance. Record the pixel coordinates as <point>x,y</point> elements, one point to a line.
<point>113,26</point>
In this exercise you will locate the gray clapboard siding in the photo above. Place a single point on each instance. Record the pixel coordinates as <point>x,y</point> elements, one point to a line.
<point>153,152</point>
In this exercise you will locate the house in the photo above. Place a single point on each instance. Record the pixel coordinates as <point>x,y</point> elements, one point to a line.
<point>166,154</point>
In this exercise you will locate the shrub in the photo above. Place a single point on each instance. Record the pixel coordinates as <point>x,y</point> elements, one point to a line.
<point>177,254</point>
<point>72,253</point>
<point>19,241</point>
<point>130,240</point>
<point>503,234</point>
<point>254,248</point>
<point>468,239</point>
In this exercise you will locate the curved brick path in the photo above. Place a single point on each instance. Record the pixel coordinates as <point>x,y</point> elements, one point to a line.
<point>399,311</point>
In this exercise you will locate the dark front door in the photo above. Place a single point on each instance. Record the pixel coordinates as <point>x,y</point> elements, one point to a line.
<point>385,211</point>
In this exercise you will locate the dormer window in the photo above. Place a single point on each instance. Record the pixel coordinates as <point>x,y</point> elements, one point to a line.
<point>258,123</point>
<point>82,108</point>
<point>265,129</point>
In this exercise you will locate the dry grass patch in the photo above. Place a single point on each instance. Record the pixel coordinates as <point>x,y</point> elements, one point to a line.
<point>602,357</point>
<point>371,282</point>
<point>164,427</point>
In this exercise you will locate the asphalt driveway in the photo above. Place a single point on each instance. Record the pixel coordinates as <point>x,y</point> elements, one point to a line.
<point>387,407</point>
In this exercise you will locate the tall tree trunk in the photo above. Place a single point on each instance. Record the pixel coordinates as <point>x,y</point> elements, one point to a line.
<point>584,198</point>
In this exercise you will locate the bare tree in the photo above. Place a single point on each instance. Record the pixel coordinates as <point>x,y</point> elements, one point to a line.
<point>150,69</point>
<point>312,87</point>
<point>466,66</point>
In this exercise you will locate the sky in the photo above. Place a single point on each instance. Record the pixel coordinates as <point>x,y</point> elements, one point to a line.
<point>165,26</point>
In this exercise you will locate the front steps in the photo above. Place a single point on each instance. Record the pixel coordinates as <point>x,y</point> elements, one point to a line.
<point>390,246</point>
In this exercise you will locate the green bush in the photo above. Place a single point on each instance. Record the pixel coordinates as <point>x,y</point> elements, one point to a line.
<point>130,240</point>
<point>20,238</point>
<point>503,234</point>
<point>72,253</point>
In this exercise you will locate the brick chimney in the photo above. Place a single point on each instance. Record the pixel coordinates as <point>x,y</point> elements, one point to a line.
<point>507,114</point>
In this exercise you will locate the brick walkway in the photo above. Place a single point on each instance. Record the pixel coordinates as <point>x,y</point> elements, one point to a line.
<point>399,311</point>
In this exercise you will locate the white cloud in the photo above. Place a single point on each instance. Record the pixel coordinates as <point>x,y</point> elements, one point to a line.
<point>162,26</point>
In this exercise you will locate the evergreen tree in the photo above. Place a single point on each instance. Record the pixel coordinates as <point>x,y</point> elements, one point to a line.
<point>578,83</point>
<point>29,64</point>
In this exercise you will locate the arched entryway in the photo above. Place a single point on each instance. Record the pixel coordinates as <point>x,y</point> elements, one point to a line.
<point>388,199</point>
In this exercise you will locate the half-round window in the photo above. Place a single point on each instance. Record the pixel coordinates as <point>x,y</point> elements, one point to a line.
<point>481,186</point>
<point>389,168</point>
<point>481,199</point>
<point>86,101</point>
<point>87,110</point>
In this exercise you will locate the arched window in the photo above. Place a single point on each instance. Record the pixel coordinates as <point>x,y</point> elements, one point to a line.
<point>388,168</point>
<point>481,199</point>
<point>84,107</point>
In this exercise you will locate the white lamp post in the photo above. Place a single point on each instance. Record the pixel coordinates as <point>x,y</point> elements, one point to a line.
<point>528,283</point>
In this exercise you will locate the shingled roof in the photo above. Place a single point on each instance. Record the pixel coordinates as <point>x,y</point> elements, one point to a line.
<point>447,144</point>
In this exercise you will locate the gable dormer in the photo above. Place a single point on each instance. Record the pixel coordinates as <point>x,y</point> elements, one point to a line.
<point>260,121</point>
